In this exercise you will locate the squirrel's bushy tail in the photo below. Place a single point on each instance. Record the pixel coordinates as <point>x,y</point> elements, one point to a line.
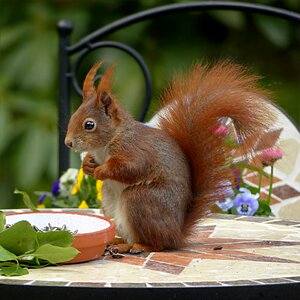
<point>194,105</point>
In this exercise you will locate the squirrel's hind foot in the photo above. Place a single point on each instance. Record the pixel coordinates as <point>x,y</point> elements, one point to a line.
<point>128,248</point>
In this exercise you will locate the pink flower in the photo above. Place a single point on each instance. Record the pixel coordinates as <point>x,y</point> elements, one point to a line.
<point>269,156</point>
<point>222,130</point>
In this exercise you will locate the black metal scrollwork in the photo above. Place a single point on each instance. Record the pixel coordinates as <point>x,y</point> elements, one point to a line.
<point>90,42</point>
<point>133,53</point>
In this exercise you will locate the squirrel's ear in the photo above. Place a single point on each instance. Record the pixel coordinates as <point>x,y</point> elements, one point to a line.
<point>104,100</point>
<point>88,90</point>
<point>106,80</point>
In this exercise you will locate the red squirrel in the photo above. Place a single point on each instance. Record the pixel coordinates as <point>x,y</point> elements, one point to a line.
<point>159,182</point>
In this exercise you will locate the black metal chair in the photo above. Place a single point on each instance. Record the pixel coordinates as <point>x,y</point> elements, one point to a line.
<point>68,70</point>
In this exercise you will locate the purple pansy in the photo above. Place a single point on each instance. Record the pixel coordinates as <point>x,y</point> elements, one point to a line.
<point>55,187</point>
<point>246,203</point>
<point>42,198</point>
<point>229,192</point>
<point>225,204</point>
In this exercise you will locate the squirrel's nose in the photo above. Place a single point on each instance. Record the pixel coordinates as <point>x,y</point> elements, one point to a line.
<point>68,142</point>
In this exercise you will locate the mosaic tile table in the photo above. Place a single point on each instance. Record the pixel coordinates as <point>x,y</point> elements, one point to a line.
<point>229,257</point>
<point>226,252</point>
<point>285,201</point>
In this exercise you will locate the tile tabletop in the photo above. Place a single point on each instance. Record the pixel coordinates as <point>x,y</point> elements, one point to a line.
<point>226,250</point>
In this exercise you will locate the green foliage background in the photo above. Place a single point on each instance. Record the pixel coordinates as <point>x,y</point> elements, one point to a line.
<point>29,68</point>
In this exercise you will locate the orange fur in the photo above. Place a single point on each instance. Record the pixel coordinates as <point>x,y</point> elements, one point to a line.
<point>106,80</point>
<point>158,183</point>
<point>88,89</point>
<point>196,102</point>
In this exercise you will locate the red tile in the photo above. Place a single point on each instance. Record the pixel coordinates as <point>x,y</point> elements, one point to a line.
<point>128,259</point>
<point>230,252</point>
<point>274,280</point>
<point>223,240</point>
<point>215,255</point>
<point>199,236</point>
<point>265,196</point>
<point>210,243</point>
<point>248,245</point>
<point>239,282</point>
<point>285,192</point>
<point>163,267</point>
<point>171,258</point>
<point>203,255</point>
<point>263,258</point>
<point>264,182</point>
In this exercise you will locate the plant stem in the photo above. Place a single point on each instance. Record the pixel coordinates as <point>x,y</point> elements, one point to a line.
<point>271,185</point>
<point>259,183</point>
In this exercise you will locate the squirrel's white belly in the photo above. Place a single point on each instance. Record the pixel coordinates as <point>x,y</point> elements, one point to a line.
<point>112,207</point>
<point>111,199</point>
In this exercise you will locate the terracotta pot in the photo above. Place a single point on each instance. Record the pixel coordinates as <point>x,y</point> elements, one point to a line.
<point>94,232</point>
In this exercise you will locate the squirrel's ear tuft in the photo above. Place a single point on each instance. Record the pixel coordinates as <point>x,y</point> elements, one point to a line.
<point>88,90</point>
<point>106,80</point>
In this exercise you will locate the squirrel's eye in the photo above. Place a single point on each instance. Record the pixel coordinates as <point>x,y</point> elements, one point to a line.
<point>89,125</point>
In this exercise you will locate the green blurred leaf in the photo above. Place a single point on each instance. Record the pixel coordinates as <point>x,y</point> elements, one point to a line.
<point>264,208</point>
<point>26,199</point>
<point>233,19</point>
<point>2,220</point>
<point>40,69</point>
<point>5,135</point>
<point>275,30</point>
<point>33,155</point>
<point>12,35</point>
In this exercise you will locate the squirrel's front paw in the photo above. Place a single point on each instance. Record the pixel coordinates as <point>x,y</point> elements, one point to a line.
<point>101,173</point>
<point>89,165</point>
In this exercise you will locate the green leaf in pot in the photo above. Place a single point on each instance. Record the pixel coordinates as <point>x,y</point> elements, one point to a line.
<point>19,238</point>
<point>26,199</point>
<point>55,238</point>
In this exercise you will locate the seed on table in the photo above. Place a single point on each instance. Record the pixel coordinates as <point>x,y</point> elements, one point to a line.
<point>117,255</point>
<point>218,248</point>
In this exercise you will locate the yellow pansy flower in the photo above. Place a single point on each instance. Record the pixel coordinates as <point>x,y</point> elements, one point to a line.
<point>99,184</point>
<point>76,187</point>
<point>83,204</point>
<point>80,176</point>
<point>75,190</point>
<point>41,206</point>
